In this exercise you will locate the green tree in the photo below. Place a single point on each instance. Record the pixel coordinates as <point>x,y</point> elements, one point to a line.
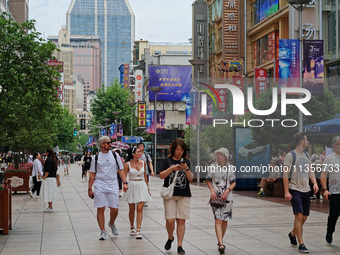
<point>28,100</point>
<point>321,107</point>
<point>111,99</point>
<point>66,138</point>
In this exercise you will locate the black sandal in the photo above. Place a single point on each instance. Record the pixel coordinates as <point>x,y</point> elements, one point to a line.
<point>221,248</point>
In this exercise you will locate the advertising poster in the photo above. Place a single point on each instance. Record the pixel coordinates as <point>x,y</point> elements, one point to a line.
<point>248,154</point>
<point>289,63</point>
<point>103,132</point>
<point>150,121</point>
<point>160,121</point>
<point>187,109</point>
<point>120,130</point>
<point>91,141</point>
<point>260,81</point>
<point>113,134</point>
<point>94,140</point>
<point>175,82</point>
<point>194,108</point>
<point>313,69</point>
<point>207,119</point>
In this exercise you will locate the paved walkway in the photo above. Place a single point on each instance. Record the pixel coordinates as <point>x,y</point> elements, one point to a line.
<point>258,226</point>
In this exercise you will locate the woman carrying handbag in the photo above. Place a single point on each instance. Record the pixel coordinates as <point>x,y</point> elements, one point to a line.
<point>175,170</point>
<point>221,181</point>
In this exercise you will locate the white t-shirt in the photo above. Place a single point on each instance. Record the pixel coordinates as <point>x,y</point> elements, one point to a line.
<point>106,176</point>
<point>300,173</point>
<point>333,167</point>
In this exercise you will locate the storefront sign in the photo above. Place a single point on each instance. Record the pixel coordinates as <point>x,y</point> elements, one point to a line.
<point>141,114</point>
<point>260,81</point>
<point>139,85</point>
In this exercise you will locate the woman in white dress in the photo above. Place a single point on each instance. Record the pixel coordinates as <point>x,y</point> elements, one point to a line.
<point>49,185</point>
<point>138,192</point>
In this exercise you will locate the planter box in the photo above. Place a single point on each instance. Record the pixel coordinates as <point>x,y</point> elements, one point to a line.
<point>6,210</point>
<point>19,180</point>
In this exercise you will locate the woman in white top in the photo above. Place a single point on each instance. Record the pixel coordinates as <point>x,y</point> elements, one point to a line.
<point>138,189</point>
<point>37,174</point>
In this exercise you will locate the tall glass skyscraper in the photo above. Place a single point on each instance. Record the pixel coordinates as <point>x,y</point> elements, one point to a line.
<point>113,21</point>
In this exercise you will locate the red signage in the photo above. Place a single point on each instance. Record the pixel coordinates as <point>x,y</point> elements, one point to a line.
<point>238,82</point>
<point>223,95</point>
<point>56,63</point>
<point>260,81</point>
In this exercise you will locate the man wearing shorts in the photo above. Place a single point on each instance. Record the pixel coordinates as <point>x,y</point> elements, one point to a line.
<point>104,179</point>
<point>332,166</point>
<point>66,163</point>
<point>297,189</point>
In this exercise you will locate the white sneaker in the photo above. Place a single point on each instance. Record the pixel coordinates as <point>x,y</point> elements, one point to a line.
<point>49,210</point>
<point>113,228</point>
<point>30,194</point>
<point>146,205</point>
<point>37,197</point>
<point>102,235</point>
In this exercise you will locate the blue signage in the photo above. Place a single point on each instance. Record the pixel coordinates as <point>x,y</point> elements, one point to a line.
<point>175,82</point>
<point>132,139</point>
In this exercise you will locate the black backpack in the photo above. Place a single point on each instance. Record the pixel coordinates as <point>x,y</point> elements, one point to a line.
<point>96,159</point>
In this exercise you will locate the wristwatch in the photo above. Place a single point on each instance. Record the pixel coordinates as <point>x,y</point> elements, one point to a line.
<point>324,189</point>
<point>125,182</point>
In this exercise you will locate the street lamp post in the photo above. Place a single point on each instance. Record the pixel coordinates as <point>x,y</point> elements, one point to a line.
<point>132,104</point>
<point>299,5</point>
<point>116,114</point>
<point>198,63</point>
<point>106,120</point>
<point>155,90</point>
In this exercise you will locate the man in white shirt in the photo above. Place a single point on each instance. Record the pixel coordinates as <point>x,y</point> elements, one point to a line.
<point>332,166</point>
<point>103,176</point>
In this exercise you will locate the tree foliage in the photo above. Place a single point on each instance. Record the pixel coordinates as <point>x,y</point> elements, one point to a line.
<point>29,105</point>
<point>111,99</point>
<point>321,107</point>
<point>65,137</point>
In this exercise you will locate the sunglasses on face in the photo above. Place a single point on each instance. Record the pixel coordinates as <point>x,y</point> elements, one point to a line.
<point>108,142</point>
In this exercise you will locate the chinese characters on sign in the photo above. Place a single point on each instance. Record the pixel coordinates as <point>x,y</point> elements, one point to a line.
<point>126,75</point>
<point>260,81</point>
<point>231,28</point>
<point>139,86</point>
<point>141,114</point>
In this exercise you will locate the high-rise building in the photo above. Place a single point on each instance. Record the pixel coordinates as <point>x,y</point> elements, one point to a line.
<point>113,21</point>
<point>17,8</point>
<point>86,59</point>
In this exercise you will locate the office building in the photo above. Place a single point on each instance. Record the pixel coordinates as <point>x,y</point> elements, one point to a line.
<point>113,22</point>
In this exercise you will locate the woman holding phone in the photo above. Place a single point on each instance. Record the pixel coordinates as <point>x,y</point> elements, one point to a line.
<point>177,209</point>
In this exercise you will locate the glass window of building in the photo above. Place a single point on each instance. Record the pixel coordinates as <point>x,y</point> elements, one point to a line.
<point>262,9</point>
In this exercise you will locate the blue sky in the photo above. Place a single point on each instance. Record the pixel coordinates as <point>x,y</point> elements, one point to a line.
<point>156,20</point>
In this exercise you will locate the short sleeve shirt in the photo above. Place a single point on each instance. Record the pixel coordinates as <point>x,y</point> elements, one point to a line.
<point>182,187</point>
<point>146,161</point>
<point>106,176</point>
<point>221,179</point>
<point>332,163</point>
<point>66,160</point>
<point>300,173</point>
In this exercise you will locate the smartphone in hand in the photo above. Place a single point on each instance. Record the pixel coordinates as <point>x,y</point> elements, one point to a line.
<point>182,161</point>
